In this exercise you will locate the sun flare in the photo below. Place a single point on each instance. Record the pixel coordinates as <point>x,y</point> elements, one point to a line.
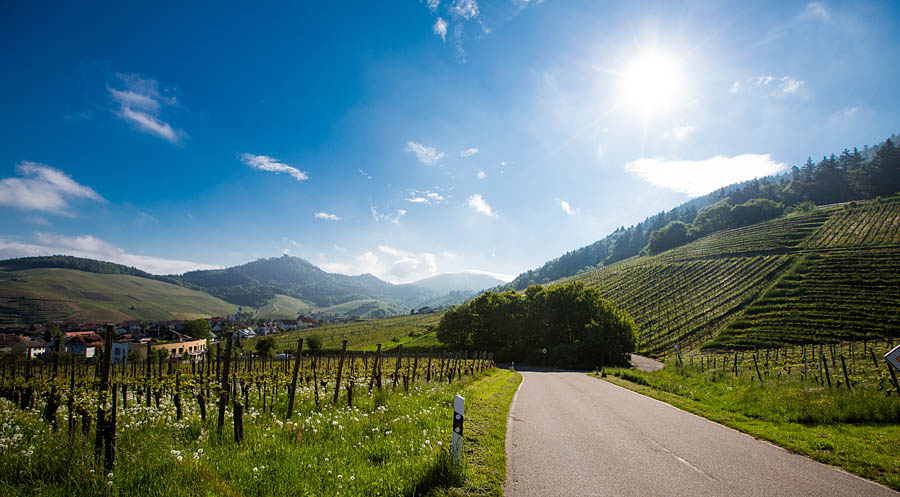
<point>652,84</point>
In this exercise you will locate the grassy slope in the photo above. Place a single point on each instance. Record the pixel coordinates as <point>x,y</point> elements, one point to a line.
<point>284,307</point>
<point>829,274</point>
<point>365,334</point>
<point>83,296</point>
<point>866,449</point>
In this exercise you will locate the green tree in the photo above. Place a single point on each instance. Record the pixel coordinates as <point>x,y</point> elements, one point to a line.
<point>265,346</point>
<point>198,328</point>
<point>314,343</point>
<point>669,236</point>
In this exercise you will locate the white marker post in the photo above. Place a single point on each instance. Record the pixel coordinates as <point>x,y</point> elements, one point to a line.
<point>459,404</point>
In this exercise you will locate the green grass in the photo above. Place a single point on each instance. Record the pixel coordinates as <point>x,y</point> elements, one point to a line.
<point>390,443</point>
<point>284,307</point>
<point>365,334</point>
<point>72,295</point>
<point>487,405</point>
<point>856,431</point>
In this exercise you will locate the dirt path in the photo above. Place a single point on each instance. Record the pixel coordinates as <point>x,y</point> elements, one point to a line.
<point>572,435</point>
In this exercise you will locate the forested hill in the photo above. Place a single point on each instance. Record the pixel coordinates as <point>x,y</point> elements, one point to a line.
<point>256,282</point>
<point>851,175</point>
<point>80,264</point>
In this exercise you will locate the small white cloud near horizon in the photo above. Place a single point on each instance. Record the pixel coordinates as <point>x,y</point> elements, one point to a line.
<point>392,217</point>
<point>817,11</point>
<point>699,177</point>
<point>469,152</point>
<point>327,216</point>
<point>568,208</point>
<point>425,197</point>
<point>387,263</point>
<point>506,278</point>
<point>440,28</point>
<point>429,156</point>
<point>478,204</point>
<point>265,163</point>
<point>140,104</point>
<point>681,132</point>
<point>43,188</point>
<point>777,87</point>
<point>480,175</point>
<point>90,247</point>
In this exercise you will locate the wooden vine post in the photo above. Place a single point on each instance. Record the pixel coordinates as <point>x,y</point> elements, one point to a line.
<point>375,368</point>
<point>223,393</point>
<point>337,385</point>
<point>105,428</point>
<point>290,409</point>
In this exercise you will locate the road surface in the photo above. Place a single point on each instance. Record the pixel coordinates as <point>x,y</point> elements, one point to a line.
<point>572,435</point>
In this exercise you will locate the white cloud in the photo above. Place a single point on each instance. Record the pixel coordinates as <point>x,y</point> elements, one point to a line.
<point>433,5</point>
<point>440,28</point>
<point>425,197</point>
<point>393,264</point>
<point>393,217</point>
<point>568,208</point>
<point>481,175</point>
<point>789,85</point>
<point>426,155</point>
<point>736,87</point>
<point>264,163</point>
<point>91,247</point>
<point>816,11</point>
<point>365,174</point>
<point>695,178</point>
<point>468,152</point>
<point>477,203</point>
<point>467,9</point>
<point>43,188</point>
<point>327,216</point>
<point>140,104</point>
<point>681,132</point>
<point>778,87</point>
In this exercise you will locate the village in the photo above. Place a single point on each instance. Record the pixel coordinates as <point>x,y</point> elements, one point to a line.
<point>135,339</point>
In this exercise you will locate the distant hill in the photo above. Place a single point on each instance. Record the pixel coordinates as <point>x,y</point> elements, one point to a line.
<point>452,282</point>
<point>39,295</point>
<point>811,276</point>
<point>256,283</point>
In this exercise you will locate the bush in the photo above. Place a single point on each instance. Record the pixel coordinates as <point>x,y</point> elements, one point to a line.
<point>314,343</point>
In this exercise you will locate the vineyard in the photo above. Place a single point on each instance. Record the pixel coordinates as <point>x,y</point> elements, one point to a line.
<point>817,277</point>
<point>362,423</point>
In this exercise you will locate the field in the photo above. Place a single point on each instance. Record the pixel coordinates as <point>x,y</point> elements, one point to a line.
<point>796,397</point>
<point>286,307</point>
<point>43,295</point>
<point>385,432</point>
<point>415,331</point>
<point>821,276</point>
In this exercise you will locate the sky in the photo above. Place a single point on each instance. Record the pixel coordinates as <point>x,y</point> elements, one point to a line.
<point>409,139</point>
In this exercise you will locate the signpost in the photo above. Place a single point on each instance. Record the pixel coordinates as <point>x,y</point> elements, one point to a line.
<point>456,445</point>
<point>893,360</point>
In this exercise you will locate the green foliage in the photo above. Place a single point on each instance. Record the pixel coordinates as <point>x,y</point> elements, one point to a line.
<point>265,346</point>
<point>197,328</point>
<point>572,322</point>
<point>314,343</point>
<point>671,235</point>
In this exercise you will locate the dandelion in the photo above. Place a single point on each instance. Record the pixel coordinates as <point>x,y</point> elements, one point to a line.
<point>255,470</point>
<point>179,458</point>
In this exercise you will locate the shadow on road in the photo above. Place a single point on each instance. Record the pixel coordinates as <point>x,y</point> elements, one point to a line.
<point>637,362</point>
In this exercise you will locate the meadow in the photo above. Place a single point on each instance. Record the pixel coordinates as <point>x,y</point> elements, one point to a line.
<point>384,430</point>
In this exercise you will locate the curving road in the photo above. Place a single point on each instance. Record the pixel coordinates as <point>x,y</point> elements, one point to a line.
<point>572,435</point>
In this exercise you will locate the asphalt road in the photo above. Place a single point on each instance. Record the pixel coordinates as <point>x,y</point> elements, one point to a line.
<point>572,435</point>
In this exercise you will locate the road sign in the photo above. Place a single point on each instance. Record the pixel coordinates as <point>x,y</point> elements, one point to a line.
<point>893,358</point>
<point>456,445</point>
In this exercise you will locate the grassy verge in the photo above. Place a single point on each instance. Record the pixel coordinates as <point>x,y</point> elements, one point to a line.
<point>856,431</point>
<point>487,406</point>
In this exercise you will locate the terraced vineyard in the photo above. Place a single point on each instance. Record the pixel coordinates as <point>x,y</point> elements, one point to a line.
<point>823,276</point>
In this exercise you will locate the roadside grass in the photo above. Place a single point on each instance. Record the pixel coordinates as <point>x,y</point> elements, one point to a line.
<point>484,444</point>
<point>856,431</point>
<point>390,443</point>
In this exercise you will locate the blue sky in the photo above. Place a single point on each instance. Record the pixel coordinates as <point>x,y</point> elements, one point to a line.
<point>407,139</point>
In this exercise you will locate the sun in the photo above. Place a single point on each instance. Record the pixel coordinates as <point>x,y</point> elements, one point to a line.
<point>652,84</point>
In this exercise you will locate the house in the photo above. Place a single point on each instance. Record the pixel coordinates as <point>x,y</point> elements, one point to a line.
<point>120,352</point>
<point>290,324</point>
<point>193,348</point>
<point>244,333</point>
<point>32,348</point>
<point>83,343</point>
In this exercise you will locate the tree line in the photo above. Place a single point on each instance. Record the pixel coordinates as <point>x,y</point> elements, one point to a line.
<point>564,325</point>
